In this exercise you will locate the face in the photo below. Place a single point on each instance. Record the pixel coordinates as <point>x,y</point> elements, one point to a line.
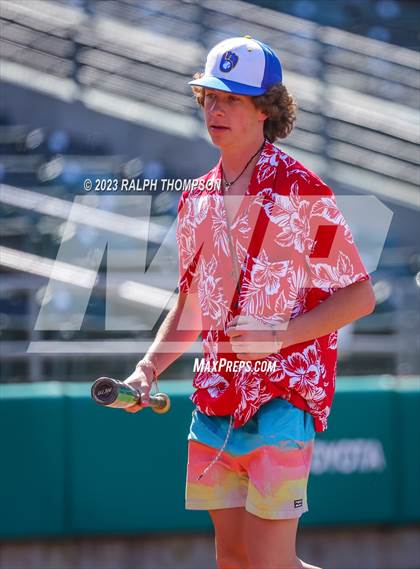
<point>232,118</point>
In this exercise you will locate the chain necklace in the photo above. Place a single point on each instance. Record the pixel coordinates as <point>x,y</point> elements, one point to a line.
<point>229,184</point>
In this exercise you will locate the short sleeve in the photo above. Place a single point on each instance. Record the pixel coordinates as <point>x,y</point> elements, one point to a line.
<point>185,237</point>
<point>331,254</point>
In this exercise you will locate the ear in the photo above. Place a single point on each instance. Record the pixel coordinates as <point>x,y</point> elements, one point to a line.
<point>261,116</point>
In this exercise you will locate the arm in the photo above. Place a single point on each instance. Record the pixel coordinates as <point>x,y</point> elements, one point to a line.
<point>252,340</point>
<point>173,330</point>
<point>342,307</point>
<point>181,327</point>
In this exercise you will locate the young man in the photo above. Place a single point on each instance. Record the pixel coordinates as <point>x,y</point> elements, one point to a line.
<point>268,273</point>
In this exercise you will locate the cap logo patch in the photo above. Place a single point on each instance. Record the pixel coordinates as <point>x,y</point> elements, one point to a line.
<point>228,61</point>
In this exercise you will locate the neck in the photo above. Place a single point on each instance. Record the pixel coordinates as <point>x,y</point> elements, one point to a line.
<point>236,156</point>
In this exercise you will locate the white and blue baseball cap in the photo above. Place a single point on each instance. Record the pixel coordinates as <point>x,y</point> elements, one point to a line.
<point>243,66</point>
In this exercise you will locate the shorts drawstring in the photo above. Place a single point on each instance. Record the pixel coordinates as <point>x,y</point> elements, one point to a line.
<point>218,455</point>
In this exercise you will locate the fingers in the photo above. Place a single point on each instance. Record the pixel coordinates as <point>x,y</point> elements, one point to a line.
<point>240,324</point>
<point>144,402</point>
<point>250,357</point>
<point>243,356</point>
<point>145,396</point>
<point>234,320</point>
<point>233,332</point>
<point>251,350</point>
<point>143,390</point>
<point>133,408</point>
<point>239,319</point>
<point>249,338</point>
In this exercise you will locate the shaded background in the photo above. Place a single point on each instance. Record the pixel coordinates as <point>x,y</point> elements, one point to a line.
<point>98,90</point>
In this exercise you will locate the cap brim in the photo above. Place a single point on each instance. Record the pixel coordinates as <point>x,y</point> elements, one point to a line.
<point>227,86</point>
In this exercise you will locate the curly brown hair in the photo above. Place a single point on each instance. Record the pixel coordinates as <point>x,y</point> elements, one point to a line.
<point>277,103</point>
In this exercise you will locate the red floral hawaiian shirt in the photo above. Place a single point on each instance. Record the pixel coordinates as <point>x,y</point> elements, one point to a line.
<point>306,253</point>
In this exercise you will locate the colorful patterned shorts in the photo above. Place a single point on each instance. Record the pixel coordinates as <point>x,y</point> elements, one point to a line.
<point>264,466</point>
